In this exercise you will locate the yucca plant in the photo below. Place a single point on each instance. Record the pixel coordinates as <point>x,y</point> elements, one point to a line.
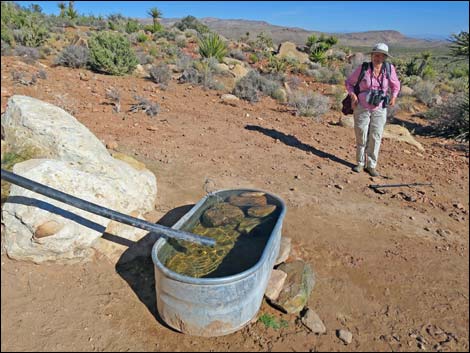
<point>212,46</point>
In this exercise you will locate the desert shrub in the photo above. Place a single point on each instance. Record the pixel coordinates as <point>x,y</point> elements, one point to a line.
<point>73,56</point>
<point>19,77</point>
<point>141,37</point>
<point>161,75</point>
<point>424,91</point>
<point>252,84</point>
<point>27,53</point>
<point>143,58</point>
<point>201,72</point>
<point>111,53</point>
<point>211,45</point>
<point>143,104</point>
<point>253,58</point>
<point>451,119</point>
<point>180,41</point>
<point>114,96</point>
<point>191,22</point>
<point>183,62</point>
<point>6,49</point>
<point>237,54</point>
<point>132,26</point>
<point>326,75</point>
<point>309,104</point>
<point>278,65</point>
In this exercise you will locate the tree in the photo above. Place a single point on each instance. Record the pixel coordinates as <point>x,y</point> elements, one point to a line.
<point>155,14</point>
<point>62,8</point>
<point>459,46</point>
<point>36,8</point>
<point>71,12</point>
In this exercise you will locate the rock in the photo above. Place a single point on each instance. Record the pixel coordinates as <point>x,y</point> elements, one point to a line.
<point>248,201</point>
<point>4,149</point>
<point>345,336</point>
<point>47,229</point>
<point>230,99</point>
<point>112,145</point>
<point>284,250</point>
<point>406,91</point>
<point>232,62</point>
<point>129,161</point>
<point>81,166</point>
<point>339,186</point>
<point>299,284</point>
<point>347,121</point>
<point>289,49</point>
<point>239,71</point>
<point>248,224</point>
<point>221,68</point>
<point>128,236</point>
<point>313,322</point>
<point>400,133</point>
<point>275,284</point>
<point>261,211</point>
<point>140,71</point>
<point>222,214</point>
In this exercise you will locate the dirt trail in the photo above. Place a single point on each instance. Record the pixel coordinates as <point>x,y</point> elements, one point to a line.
<point>393,269</point>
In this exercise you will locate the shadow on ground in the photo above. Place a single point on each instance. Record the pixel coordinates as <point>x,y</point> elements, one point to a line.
<point>293,141</point>
<point>136,267</point>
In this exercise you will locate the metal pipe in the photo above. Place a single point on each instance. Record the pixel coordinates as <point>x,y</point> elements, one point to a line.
<point>103,211</point>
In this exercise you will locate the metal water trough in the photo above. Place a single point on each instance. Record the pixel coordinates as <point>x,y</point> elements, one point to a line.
<point>214,306</point>
<point>102,211</point>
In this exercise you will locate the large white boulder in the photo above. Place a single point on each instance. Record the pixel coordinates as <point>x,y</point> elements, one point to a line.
<point>78,164</point>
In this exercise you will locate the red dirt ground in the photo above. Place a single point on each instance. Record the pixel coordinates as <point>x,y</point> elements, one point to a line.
<point>393,269</point>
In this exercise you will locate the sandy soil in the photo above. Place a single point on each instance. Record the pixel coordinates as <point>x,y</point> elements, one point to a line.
<point>391,268</point>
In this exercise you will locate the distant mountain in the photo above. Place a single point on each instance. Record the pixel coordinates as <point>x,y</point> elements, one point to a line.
<point>236,28</point>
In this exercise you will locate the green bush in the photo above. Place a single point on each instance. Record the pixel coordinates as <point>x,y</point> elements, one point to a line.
<point>191,22</point>
<point>211,45</point>
<point>252,84</point>
<point>111,53</point>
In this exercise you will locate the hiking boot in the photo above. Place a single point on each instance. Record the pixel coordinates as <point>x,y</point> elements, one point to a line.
<point>372,172</point>
<point>358,168</point>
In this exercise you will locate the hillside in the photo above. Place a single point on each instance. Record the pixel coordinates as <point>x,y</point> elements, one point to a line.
<point>235,28</point>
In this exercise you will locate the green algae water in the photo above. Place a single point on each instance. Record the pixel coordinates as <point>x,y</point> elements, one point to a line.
<point>241,225</point>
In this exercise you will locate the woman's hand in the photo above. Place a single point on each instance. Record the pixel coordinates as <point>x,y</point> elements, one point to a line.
<point>392,101</point>
<point>354,100</point>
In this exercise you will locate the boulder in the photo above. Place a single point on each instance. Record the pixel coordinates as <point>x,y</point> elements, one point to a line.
<point>297,288</point>
<point>261,211</point>
<point>400,133</point>
<point>239,71</point>
<point>289,49</point>
<point>230,99</point>
<point>75,162</point>
<point>41,229</point>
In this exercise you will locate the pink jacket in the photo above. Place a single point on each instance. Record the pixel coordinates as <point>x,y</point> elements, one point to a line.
<point>365,85</point>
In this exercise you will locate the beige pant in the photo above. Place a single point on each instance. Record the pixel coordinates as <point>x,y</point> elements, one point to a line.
<point>369,127</point>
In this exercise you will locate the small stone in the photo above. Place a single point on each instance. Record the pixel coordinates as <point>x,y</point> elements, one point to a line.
<point>284,250</point>
<point>313,322</point>
<point>345,336</point>
<point>152,128</point>
<point>339,186</point>
<point>112,145</point>
<point>275,284</point>
<point>47,229</point>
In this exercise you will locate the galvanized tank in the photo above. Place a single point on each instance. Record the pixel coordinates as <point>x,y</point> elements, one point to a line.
<point>214,306</point>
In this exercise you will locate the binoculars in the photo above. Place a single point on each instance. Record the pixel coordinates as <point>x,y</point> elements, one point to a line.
<point>375,97</point>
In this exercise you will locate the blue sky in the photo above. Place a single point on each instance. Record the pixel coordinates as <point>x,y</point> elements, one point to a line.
<point>408,17</point>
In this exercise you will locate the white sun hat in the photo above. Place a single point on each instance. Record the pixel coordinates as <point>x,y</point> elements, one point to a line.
<point>381,48</point>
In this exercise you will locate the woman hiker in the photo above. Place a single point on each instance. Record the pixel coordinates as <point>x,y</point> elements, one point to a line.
<point>370,105</point>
